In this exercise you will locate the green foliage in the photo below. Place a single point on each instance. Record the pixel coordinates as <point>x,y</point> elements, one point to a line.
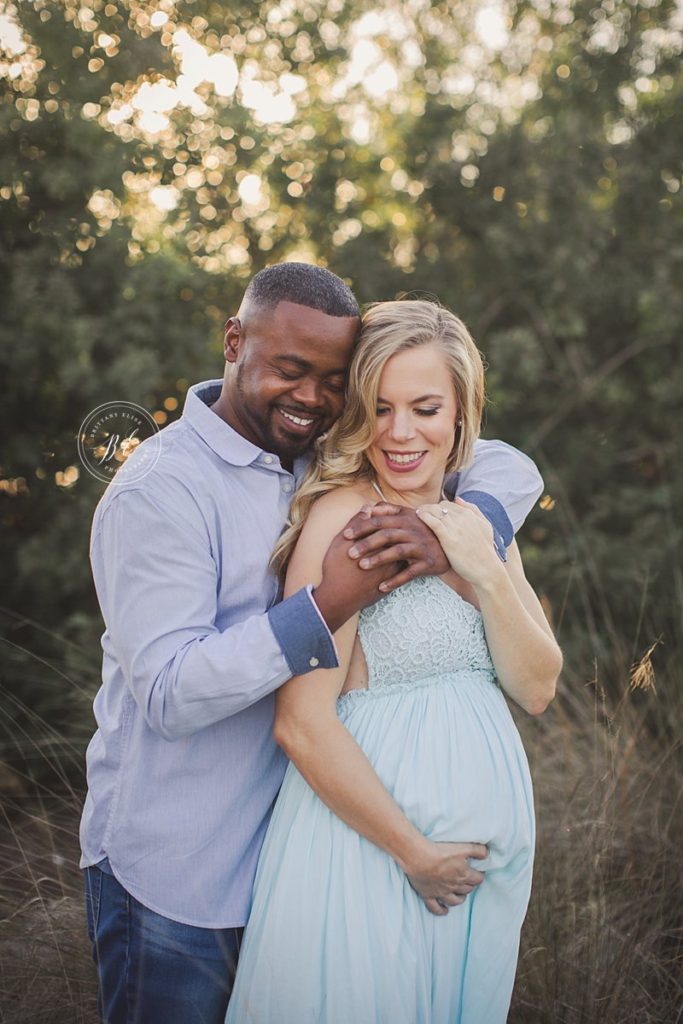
<point>540,198</point>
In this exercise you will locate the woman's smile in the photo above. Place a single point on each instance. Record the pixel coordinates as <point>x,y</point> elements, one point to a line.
<point>404,462</point>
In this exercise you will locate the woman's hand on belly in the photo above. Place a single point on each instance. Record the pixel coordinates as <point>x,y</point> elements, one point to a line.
<point>441,873</point>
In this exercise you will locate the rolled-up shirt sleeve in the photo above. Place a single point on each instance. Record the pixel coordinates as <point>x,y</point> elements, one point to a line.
<point>157,583</point>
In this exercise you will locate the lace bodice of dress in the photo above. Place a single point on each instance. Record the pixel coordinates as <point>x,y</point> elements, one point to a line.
<point>422,629</point>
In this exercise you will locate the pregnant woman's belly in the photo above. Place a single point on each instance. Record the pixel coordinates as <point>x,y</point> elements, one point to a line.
<point>448,751</point>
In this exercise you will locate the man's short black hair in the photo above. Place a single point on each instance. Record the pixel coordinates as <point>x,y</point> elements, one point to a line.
<point>303,283</point>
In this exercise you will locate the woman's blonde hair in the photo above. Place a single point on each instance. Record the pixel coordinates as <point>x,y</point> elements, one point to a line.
<point>388,328</point>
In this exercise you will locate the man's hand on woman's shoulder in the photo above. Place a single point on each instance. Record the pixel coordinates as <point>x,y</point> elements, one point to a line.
<point>386,534</point>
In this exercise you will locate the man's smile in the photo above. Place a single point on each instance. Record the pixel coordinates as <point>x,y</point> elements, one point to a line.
<point>296,419</point>
<point>296,423</point>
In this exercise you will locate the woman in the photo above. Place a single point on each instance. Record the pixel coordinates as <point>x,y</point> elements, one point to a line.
<point>409,744</point>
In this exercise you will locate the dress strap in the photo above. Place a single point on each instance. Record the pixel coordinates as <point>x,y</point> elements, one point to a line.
<point>378,489</point>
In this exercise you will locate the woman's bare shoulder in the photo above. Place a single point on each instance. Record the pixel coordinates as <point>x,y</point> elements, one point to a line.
<point>330,514</point>
<point>342,501</point>
<point>326,518</point>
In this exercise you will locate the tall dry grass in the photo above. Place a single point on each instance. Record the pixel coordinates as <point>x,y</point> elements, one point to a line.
<point>46,975</point>
<point>603,940</point>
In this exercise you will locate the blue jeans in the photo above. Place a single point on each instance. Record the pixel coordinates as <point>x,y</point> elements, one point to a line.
<point>153,970</point>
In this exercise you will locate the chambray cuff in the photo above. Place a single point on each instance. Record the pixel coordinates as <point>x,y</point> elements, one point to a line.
<point>503,532</point>
<point>302,633</point>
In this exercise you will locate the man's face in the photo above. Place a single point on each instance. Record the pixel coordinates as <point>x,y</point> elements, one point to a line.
<point>290,372</point>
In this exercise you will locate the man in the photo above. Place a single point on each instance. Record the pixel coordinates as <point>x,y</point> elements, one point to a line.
<point>182,770</point>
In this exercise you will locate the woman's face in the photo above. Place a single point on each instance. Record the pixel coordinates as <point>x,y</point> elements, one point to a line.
<point>415,430</point>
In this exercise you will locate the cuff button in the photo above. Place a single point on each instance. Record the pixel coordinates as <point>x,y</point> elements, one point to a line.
<point>313,662</point>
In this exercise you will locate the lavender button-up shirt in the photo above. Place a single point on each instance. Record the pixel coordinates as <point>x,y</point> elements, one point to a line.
<point>183,770</point>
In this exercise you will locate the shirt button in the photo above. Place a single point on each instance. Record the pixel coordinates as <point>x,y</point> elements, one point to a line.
<point>313,662</point>
<point>287,488</point>
<point>267,459</point>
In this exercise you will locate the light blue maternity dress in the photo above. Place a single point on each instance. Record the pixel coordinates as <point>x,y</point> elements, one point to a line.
<point>336,933</point>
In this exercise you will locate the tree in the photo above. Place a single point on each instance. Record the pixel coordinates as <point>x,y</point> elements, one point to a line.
<point>524,169</point>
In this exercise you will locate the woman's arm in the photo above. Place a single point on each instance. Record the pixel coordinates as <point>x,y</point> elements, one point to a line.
<point>323,750</point>
<point>525,655</point>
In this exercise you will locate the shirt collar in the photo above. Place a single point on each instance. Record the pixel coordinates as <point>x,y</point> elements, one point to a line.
<point>221,437</point>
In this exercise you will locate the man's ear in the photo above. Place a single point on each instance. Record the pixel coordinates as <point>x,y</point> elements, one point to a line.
<point>232,338</point>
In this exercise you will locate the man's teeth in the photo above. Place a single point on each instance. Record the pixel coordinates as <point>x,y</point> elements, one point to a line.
<point>404,459</point>
<point>296,419</point>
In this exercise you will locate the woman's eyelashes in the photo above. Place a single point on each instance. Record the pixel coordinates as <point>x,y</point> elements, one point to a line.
<point>382,410</point>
